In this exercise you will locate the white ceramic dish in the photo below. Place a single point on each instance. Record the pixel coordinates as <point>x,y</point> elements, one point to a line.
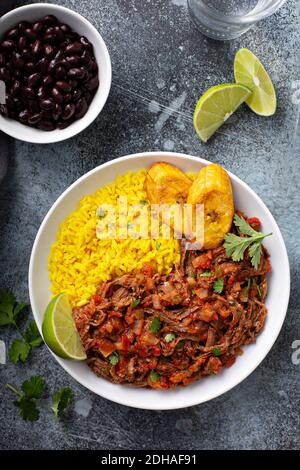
<point>208,388</point>
<point>83,27</point>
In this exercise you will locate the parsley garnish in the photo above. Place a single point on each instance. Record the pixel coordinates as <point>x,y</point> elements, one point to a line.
<point>135,303</point>
<point>32,389</point>
<point>9,313</point>
<point>114,358</point>
<point>61,400</point>
<point>154,376</point>
<point>236,246</point>
<point>169,337</point>
<point>205,274</point>
<point>155,325</point>
<point>216,351</point>
<point>218,285</point>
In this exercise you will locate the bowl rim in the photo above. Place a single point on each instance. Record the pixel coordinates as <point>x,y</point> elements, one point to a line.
<point>122,400</point>
<point>97,104</point>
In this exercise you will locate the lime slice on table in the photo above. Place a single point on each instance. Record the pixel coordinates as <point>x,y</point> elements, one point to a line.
<point>216,106</point>
<point>60,331</point>
<point>250,72</point>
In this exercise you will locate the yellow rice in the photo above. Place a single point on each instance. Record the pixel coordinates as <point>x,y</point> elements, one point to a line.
<point>79,261</point>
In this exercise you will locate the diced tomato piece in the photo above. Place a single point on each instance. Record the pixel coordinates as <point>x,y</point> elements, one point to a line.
<point>203,261</point>
<point>97,299</point>
<point>254,222</point>
<point>229,362</point>
<point>156,351</point>
<point>231,281</point>
<point>148,270</point>
<point>125,343</point>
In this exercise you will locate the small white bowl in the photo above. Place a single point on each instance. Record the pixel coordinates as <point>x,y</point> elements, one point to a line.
<point>83,27</point>
<point>277,300</point>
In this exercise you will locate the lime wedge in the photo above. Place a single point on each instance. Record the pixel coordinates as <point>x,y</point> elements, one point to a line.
<point>250,72</point>
<point>216,106</point>
<point>60,331</point>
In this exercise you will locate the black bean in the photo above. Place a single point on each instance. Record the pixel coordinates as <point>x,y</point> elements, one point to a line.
<point>4,74</point>
<point>53,63</point>
<point>7,45</point>
<point>23,116</point>
<point>86,43</point>
<point>63,124</point>
<point>50,38</point>
<point>67,97</point>
<point>50,20</point>
<point>37,27</point>
<point>30,67</point>
<point>41,93</point>
<point>74,48</point>
<point>59,34</point>
<point>22,43</point>
<point>13,33</point>
<point>37,47</point>
<point>60,72</point>
<point>47,104</point>
<point>68,112</point>
<point>34,79</point>
<point>35,118</point>
<point>94,68</point>
<point>47,80</point>
<point>23,25</point>
<point>86,57</point>
<point>57,111</point>
<point>57,96</point>
<point>28,92</point>
<point>63,86</point>
<point>65,28</point>
<point>17,60</point>
<point>15,88</point>
<point>2,59</point>
<point>30,34</point>
<point>59,55</point>
<point>77,94</point>
<point>33,106</point>
<point>76,73</point>
<point>49,50</point>
<point>81,108</point>
<point>73,60</point>
<point>9,102</point>
<point>43,65</point>
<point>46,125</point>
<point>73,83</point>
<point>93,83</point>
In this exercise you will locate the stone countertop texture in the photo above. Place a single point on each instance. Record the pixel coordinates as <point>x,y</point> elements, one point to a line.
<point>161,65</point>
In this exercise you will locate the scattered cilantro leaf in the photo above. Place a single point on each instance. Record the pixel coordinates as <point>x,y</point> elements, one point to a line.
<point>33,387</point>
<point>158,245</point>
<point>19,351</point>
<point>154,376</point>
<point>28,408</point>
<point>205,274</point>
<point>193,292</point>
<point>218,285</point>
<point>114,358</point>
<point>61,400</point>
<point>32,335</point>
<point>135,303</point>
<point>236,246</point>
<point>245,290</point>
<point>169,337</point>
<point>193,275</point>
<point>155,325</point>
<point>216,351</point>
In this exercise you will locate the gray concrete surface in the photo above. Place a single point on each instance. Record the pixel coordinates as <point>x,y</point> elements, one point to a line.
<point>159,60</point>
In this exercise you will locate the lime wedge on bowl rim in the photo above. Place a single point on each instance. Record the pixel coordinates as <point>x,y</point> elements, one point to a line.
<point>216,105</point>
<point>59,329</point>
<point>250,72</point>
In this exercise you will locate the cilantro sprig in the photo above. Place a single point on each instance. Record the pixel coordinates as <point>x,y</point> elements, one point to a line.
<point>10,311</point>
<point>155,325</point>
<point>61,400</point>
<point>236,246</point>
<point>218,285</point>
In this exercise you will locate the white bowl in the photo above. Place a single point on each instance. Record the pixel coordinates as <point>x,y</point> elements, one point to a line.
<point>81,26</point>
<point>210,387</point>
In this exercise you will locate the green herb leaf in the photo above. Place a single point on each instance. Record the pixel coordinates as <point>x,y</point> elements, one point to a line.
<point>236,246</point>
<point>216,351</point>
<point>32,335</point>
<point>61,400</point>
<point>245,290</point>
<point>114,358</point>
<point>9,309</point>
<point>218,285</point>
<point>19,351</point>
<point>193,275</point>
<point>155,325</point>
<point>135,303</point>
<point>169,337</point>
<point>34,387</point>
<point>205,274</point>
<point>158,245</point>
<point>28,409</point>
<point>154,376</point>
<point>193,292</point>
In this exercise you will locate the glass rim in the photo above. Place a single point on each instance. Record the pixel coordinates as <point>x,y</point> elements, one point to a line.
<point>248,18</point>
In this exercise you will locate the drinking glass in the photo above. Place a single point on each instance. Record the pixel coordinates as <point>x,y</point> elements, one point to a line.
<point>228,19</point>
